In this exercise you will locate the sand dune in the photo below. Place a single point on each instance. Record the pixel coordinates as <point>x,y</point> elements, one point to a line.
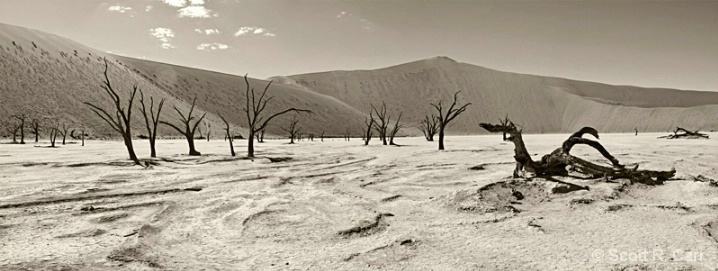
<point>55,75</point>
<point>51,80</point>
<point>540,104</point>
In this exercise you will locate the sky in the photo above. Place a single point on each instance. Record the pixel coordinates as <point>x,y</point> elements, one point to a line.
<point>671,44</point>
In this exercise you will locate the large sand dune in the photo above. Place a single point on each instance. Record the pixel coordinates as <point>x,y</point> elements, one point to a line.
<point>51,80</point>
<point>339,205</point>
<point>539,104</point>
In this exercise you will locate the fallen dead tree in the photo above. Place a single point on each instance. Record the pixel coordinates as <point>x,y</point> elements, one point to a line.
<point>556,163</point>
<point>683,133</point>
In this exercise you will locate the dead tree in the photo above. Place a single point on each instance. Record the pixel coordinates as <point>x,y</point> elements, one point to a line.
<point>429,126</point>
<point>208,129</point>
<point>189,128</point>
<point>35,126</point>
<point>63,132</point>
<point>369,126</point>
<point>293,130</point>
<point>260,136</point>
<point>151,120</point>
<point>228,134</point>
<point>556,163</point>
<point>683,133</point>
<point>21,118</point>
<point>504,122</point>
<point>120,120</point>
<point>81,136</point>
<point>53,134</point>
<point>445,118</point>
<point>322,136</point>
<point>382,123</point>
<point>636,130</point>
<point>395,130</point>
<point>254,109</point>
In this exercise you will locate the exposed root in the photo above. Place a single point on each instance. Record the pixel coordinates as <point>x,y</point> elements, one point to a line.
<point>618,207</point>
<point>366,227</point>
<point>391,198</point>
<point>279,159</point>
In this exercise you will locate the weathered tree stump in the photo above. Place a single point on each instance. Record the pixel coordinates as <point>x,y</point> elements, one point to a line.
<point>683,133</point>
<point>557,162</point>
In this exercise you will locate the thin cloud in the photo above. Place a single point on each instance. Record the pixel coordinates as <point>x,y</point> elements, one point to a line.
<point>165,35</point>
<point>212,46</point>
<point>253,31</point>
<point>207,31</point>
<point>118,8</point>
<point>341,14</point>
<point>196,12</point>
<point>175,3</point>
<point>196,2</point>
<point>148,8</point>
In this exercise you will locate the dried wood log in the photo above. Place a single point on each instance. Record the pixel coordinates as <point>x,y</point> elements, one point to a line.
<point>683,133</point>
<point>557,162</point>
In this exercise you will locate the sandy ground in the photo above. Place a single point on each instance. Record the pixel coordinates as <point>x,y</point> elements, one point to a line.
<point>339,205</point>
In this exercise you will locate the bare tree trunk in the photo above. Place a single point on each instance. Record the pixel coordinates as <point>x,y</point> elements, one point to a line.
<point>228,134</point>
<point>369,126</point>
<point>64,133</point>
<point>189,128</point>
<point>119,121</point>
<point>441,138</point>
<point>250,144</point>
<point>36,129</point>
<point>83,137</point>
<point>21,118</point>
<point>254,109</point>
<point>445,118</point>
<point>395,130</point>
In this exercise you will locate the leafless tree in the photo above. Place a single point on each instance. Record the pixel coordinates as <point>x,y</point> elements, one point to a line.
<point>293,130</point>
<point>189,128</point>
<point>369,126</point>
<point>254,109</point>
<point>208,129</point>
<point>120,120</point>
<point>21,118</point>
<point>382,123</point>
<point>448,116</point>
<point>63,132</point>
<point>228,134</point>
<point>54,129</point>
<point>322,136</point>
<point>429,126</point>
<point>395,130</point>
<point>505,121</point>
<point>35,126</point>
<point>13,129</point>
<point>151,120</point>
<point>260,136</point>
<point>81,136</point>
